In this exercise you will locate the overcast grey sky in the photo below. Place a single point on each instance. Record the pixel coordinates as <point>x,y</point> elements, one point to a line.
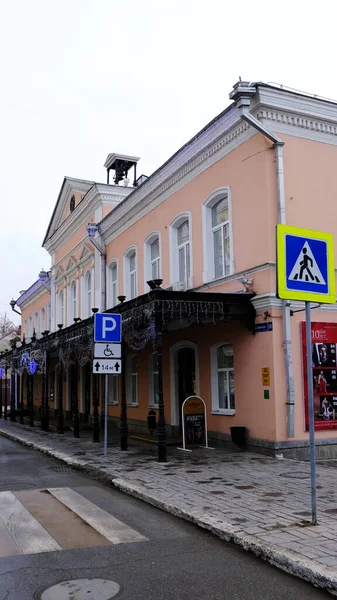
<point>82,78</point>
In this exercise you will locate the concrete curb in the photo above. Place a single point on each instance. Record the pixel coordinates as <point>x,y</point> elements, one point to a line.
<point>287,560</point>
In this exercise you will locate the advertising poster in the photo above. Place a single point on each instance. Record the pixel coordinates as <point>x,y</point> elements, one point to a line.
<point>194,417</point>
<point>324,374</point>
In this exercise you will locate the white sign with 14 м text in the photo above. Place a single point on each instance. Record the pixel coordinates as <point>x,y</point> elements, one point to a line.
<point>108,367</point>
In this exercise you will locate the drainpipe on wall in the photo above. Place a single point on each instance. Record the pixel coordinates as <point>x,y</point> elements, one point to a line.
<point>242,94</point>
<point>96,240</point>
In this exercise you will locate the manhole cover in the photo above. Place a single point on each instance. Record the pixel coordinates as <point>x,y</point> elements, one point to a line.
<point>81,589</point>
<point>60,468</point>
<point>13,485</point>
<point>295,475</point>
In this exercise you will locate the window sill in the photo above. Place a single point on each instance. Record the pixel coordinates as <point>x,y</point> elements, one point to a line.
<point>153,407</point>
<point>112,403</point>
<point>132,405</point>
<point>228,413</point>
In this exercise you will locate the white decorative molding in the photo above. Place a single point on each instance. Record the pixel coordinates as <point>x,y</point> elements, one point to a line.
<point>235,276</point>
<point>152,192</point>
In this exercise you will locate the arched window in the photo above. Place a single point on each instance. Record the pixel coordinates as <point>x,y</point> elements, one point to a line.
<point>217,237</point>
<point>30,329</point>
<point>112,283</point>
<point>43,319</point>
<point>60,308</point>
<point>132,380</point>
<point>180,252</point>
<point>36,322</point>
<point>223,390</point>
<point>152,266</point>
<point>153,380</point>
<point>72,204</point>
<point>130,273</point>
<point>87,298</point>
<point>73,300</point>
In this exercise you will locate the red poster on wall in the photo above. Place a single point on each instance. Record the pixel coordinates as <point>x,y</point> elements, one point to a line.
<point>324,374</point>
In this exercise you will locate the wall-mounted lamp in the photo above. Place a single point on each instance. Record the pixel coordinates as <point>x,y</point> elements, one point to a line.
<point>12,305</point>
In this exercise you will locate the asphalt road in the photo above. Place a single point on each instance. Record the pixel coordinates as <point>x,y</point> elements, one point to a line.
<point>176,560</point>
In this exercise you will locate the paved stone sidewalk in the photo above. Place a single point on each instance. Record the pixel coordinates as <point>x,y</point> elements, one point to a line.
<point>260,503</point>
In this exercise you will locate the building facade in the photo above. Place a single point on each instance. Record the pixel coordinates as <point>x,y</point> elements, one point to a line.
<point>201,230</point>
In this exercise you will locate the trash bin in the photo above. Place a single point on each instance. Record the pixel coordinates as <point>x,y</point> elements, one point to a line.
<point>239,436</point>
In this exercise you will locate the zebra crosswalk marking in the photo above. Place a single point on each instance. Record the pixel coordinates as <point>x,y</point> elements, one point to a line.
<point>27,533</point>
<point>107,525</point>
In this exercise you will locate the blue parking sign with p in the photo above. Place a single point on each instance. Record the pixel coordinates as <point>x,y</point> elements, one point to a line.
<point>108,327</point>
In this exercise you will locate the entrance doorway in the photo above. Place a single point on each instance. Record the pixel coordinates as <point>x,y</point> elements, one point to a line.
<point>186,377</point>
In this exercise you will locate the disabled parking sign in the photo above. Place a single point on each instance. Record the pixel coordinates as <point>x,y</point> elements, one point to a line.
<point>305,265</point>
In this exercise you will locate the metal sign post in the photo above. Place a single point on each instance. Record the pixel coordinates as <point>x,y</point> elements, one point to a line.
<point>305,271</point>
<point>107,338</point>
<point>311,415</point>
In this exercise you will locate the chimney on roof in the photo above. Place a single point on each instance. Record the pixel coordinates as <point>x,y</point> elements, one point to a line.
<point>121,164</point>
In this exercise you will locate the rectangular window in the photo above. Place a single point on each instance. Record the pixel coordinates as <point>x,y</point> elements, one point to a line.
<point>51,386</point>
<point>114,285</point>
<point>133,381</point>
<point>225,378</point>
<point>155,395</point>
<point>113,389</point>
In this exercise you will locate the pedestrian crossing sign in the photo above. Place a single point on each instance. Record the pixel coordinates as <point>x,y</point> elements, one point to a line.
<point>305,265</point>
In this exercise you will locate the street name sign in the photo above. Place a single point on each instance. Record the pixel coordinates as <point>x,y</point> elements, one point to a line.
<point>305,265</point>
<point>107,367</point>
<point>108,328</point>
<point>107,351</point>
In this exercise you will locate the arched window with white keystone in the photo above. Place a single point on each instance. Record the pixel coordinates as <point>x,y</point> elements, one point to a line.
<point>60,308</point>
<point>112,276</point>
<point>217,235</point>
<point>130,273</point>
<point>222,377</point>
<point>152,262</point>
<point>180,252</point>
<point>73,301</point>
<point>87,304</point>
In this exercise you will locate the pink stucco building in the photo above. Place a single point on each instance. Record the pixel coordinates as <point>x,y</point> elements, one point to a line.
<point>204,223</point>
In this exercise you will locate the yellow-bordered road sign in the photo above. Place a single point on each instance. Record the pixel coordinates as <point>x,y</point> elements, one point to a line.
<point>305,265</point>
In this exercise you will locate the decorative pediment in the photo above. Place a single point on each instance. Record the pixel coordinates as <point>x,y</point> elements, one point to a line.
<point>86,252</point>
<point>65,206</point>
<point>71,263</point>
<point>59,272</point>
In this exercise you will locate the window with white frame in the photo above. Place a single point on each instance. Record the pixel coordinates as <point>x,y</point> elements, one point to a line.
<point>180,251</point>
<point>218,260</point>
<point>130,273</point>
<point>152,257</point>
<point>73,300</point>
<point>36,322</point>
<point>223,389</point>
<point>113,389</point>
<point>60,308</point>
<point>26,328</point>
<point>132,379</point>
<point>87,294</point>
<point>113,283</point>
<point>43,319</point>
<point>30,329</point>
<point>153,379</point>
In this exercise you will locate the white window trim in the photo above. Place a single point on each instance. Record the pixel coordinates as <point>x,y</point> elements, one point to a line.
<point>214,383</point>
<point>126,269</point>
<point>174,375</point>
<point>36,322</point>
<point>60,308</point>
<point>73,285</point>
<point>129,381</point>
<point>208,249</point>
<point>112,263</point>
<point>86,310</point>
<point>147,258</point>
<point>173,247</point>
<point>43,319</point>
<point>151,386</point>
<point>111,379</point>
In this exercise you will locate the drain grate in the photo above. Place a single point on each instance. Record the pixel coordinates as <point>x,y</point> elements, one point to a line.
<point>16,486</point>
<point>60,468</point>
